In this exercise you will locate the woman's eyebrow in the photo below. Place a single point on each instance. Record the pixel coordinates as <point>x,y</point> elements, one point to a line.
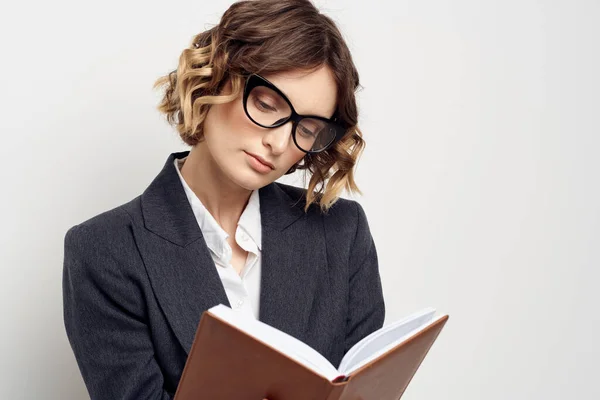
<point>315,114</point>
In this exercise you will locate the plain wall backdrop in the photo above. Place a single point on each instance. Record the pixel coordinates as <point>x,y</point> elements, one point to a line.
<point>482,130</point>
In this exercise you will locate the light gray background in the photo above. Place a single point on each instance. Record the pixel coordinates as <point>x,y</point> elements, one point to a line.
<point>480,176</point>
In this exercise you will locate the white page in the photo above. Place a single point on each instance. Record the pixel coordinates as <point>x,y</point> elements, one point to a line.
<point>383,340</point>
<point>355,366</point>
<point>280,341</point>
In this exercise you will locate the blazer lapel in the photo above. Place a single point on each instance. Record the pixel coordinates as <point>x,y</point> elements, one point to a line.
<point>181,270</point>
<point>293,259</point>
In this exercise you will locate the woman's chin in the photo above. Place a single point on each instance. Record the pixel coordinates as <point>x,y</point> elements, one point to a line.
<point>250,180</point>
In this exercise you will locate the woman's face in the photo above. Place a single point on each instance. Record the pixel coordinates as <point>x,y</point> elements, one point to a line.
<point>232,138</point>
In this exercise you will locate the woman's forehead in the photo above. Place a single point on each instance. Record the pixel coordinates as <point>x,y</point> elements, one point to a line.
<point>311,93</point>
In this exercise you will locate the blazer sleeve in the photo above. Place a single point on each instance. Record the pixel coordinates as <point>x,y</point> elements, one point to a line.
<point>366,308</point>
<point>105,320</point>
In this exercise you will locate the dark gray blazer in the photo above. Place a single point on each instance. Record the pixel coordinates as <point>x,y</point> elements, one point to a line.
<point>137,278</point>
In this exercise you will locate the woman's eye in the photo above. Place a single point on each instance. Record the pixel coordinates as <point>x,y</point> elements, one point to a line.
<point>305,131</point>
<point>264,106</point>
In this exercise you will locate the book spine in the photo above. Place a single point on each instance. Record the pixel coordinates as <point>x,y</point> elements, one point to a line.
<point>336,391</point>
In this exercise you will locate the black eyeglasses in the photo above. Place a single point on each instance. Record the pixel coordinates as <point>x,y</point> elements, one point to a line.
<point>268,107</point>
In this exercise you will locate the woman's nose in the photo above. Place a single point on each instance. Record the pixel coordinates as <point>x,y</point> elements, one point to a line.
<point>278,139</point>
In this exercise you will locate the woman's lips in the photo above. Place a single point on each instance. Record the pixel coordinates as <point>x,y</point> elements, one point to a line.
<point>258,165</point>
<point>261,160</point>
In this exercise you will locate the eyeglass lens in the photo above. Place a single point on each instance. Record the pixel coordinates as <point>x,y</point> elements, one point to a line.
<point>266,107</point>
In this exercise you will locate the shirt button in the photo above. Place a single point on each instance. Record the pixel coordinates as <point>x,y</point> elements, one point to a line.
<point>239,303</point>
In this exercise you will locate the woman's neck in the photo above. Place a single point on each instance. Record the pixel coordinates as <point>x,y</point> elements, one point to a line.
<point>223,199</point>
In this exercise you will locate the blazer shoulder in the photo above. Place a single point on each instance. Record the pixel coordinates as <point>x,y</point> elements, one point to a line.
<point>346,217</point>
<point>295,192</point>
<point>111,225</point>
<point>342,206</point>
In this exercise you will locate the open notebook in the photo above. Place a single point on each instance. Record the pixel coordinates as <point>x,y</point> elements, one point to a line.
<point>236,356</point>
<point>368,349</point>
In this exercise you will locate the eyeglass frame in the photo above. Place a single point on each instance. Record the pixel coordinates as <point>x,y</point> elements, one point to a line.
<point>255,80</point>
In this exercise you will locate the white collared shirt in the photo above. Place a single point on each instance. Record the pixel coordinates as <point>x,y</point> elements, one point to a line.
<point>243,290</point>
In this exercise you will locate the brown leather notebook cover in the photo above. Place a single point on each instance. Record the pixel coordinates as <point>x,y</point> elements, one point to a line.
<point>226,363</point>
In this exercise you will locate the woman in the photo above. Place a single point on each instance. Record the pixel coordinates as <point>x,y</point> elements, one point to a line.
<point>268,90</point>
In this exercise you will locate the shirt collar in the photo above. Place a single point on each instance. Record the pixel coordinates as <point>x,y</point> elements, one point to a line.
<point>250,219</point>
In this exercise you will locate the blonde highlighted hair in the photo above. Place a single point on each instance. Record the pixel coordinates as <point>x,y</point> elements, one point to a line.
<point>267,37</point>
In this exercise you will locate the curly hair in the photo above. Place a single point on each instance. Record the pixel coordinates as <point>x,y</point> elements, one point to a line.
<point>267,37</point>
